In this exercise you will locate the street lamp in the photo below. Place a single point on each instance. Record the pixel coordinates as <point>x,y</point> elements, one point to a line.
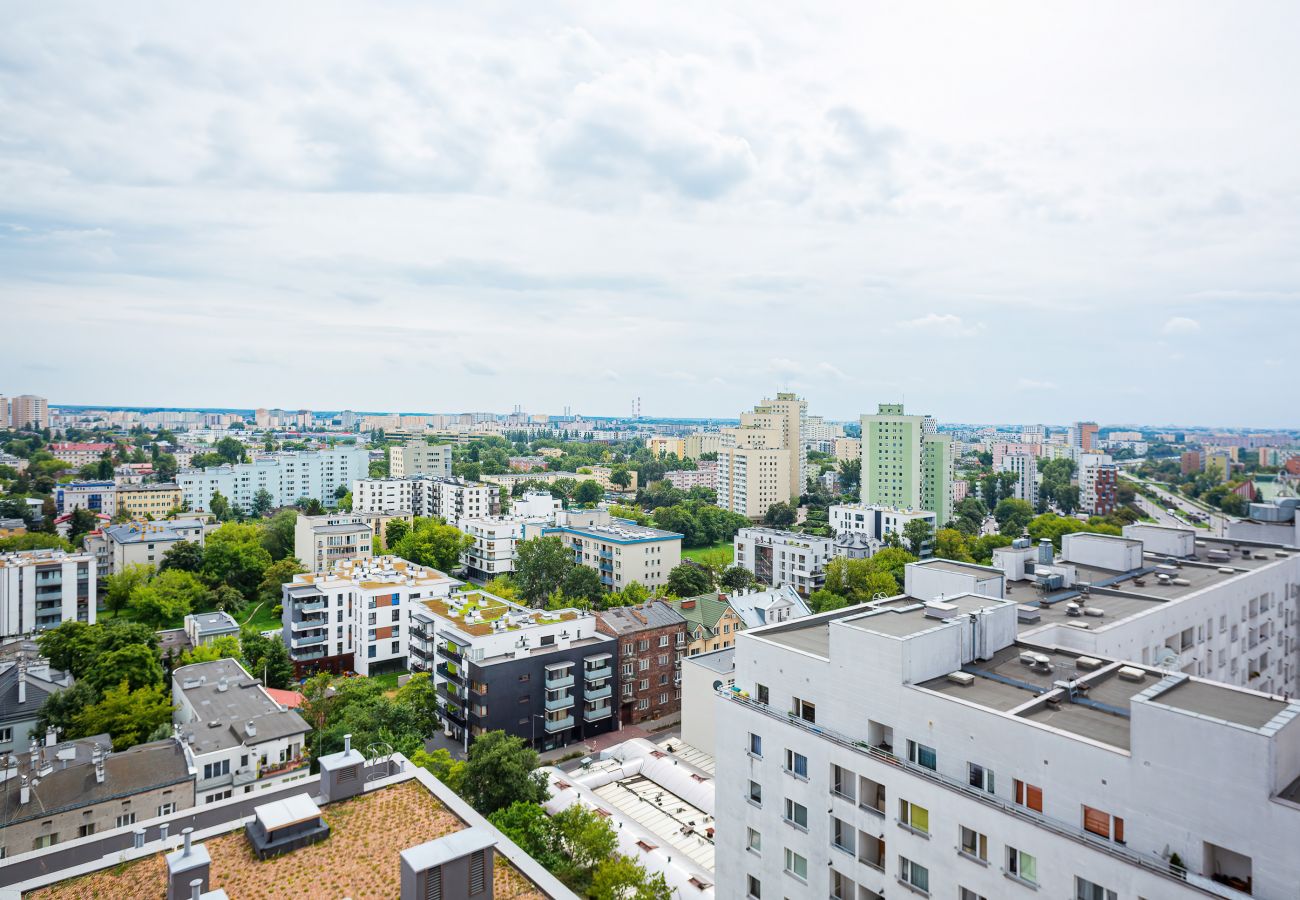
<point>532,731</point>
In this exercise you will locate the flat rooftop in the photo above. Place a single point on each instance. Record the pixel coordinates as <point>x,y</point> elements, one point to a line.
<point>225,700</point>
<point>961,568</point>
<point>619,532</point>
<point>361,859</point>
<point>1221,702</point>
<point>814,638</point>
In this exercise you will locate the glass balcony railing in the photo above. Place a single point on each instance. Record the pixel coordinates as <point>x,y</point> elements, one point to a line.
<point>559,703</point>
<point>554,725</point>
<point>595,715</point>
<point>598,693</point>
<point>598,674</point>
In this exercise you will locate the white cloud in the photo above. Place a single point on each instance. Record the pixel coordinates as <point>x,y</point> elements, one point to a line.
<point>1181,325</point>
<point>947,325</point>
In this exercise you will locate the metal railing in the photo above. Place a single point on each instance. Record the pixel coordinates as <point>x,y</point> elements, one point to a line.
<point>1157,866</point>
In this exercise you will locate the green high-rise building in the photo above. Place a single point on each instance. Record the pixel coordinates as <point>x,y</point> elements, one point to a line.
<point>906,463</point>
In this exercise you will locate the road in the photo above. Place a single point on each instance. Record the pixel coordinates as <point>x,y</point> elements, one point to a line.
<point>1160,511</point>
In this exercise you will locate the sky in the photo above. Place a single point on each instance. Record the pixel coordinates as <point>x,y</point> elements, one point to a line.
<point>1006,212</point>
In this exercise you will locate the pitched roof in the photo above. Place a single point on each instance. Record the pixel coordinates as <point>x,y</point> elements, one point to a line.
<point>649,615</point>
<point>705,610</point>
<point>38,689</point>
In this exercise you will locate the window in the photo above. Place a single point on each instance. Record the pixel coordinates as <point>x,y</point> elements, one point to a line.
<point>913,874</point>
<point>1086,890</point>
<point>974,844</point>
<point>643,664</point>
<point>964,893</point>
<point>754,888</point>
<point>524,677</point>
<point>86,830</point>
<point>125,819</point>
<point>980,777</point>
<point>6,735</point>
<point>1028,795</point>
<point>843,783</point>
<point>796,813</point>
<point>753,841</point>
<point>1103,824</point>
<point>216,769</point>
<point>916,818</point>
<point>804,710</point>
<point>756,793</point>
<point>1022,866</point>
<point>760,693</point>
<point>922,755</point>
<point>843,835</point>
<point>46,840</point>
<point>796,865</point>
<point>167,809</point>
<point>796,764</point>
<point>663,641</point>
<point>643,703</point>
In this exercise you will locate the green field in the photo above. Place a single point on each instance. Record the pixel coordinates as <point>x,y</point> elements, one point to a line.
<point>719,554</point>
<point>259,616</point>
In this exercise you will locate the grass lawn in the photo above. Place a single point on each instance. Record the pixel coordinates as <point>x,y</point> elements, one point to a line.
<point>259,616</point>
<point>719,554</point>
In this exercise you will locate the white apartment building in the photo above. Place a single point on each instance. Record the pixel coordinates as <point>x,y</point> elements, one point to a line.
<point>241,739</point>
<point>287,477</point>
<point>493,550</point>
<point>1025,467</point>
<point>875,521</point>
<point>353,618</point>
<point>779,558</point>
<point>420,458</point>
<point>321,541</point>
<point>42,589</point>
<point>452,499</point>
<point>620,551</point>
<point>385,495</point>
<point>920,749</point>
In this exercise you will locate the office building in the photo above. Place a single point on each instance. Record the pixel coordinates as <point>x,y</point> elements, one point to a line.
<point>921,747</point>
<point>778,558</point>
<point>1025,468</point>
<point>287,477</point>
<point>353,617</point>
<point>27,411</point>
<point>148,501</point>
<point>620,551</point>
<point>420,458</point>
<point>906,464</point>
<point>320,541</point>
<point>240,739</point>
<point>547,676</point>
<point>42,589</point>
<point>652,640</point>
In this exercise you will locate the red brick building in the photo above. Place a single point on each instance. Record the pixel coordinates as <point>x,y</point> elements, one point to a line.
<point>651,641</point>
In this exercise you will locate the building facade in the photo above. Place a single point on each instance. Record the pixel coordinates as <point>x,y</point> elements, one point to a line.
<point>154,501</point>
<point>287,477</point>
<point>420,458</point>
<point>1025,468</point>
<point>778,558</point>
<point>42,589</point>
<point>29,411</point>
<point>79,454</point>
<point>321,541</point>
<point>652,641</point>
<point>1098,484</point>
<point>905,463</point>
<point>142,543</point>
<point>711,623</point>
<point>96,496</point>
<point>620,551</point>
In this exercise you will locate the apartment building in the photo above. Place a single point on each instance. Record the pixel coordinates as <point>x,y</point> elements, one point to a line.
<point>906,463</point>
<point>59,792</point>
<point>711,623</point>
<point>142,543</point>
<point>353,617</point>
<point>786,417</point>
<point>29,411</point>
<point>620,551</point>
<point>27,680</point>
<point>493,550</point>
<point>1083,436</point>
<point>452,499</point>
<point>287,477</point>
<point>420,458</point>
<point>42,589</point>
<point>546,676</point>
<point>79,454</point>
<point>1025,468</point>
<point>753,472</point>
<point>847,448</point>
<point>875,522</point>
<point>652,641</point>
<point>706,475</point>
<point>696,445</point>
<point>1098,484</point>
<point>154,501</point>
<point>662,445</point>
<point>96,496</point>
<point>779,558</point>
<point>239,738</point>
<point>920,748</point>
<point>321,541</point>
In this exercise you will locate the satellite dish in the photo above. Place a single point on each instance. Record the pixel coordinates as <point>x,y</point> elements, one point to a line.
<point>717,685</point>
<point>1167,659</point>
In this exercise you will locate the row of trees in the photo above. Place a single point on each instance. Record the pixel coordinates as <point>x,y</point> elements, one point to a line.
<point>852,581</point>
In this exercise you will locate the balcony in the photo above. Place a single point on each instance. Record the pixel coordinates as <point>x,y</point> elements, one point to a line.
<point>446,673</point>
<point>449,691</point>
<point>453,714</point>
<point>599,693</point>
<point>308,641</point>
<point>418,631</point>
<point>554,725</point>
<point>558,682</point>
<point>598,674</point>
<point>308,625</point>
<point>560,703</point>
<point>311,606</point>
<point>447,653</point>
<point>274,770</point>
<point>422,653</point>
<point>597,714</point>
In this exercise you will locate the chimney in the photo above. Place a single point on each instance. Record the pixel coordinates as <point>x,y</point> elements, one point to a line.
<point>24,792</point>
<point>196,889</point>
<point>188,832</point>
<point>347,744</point>
<point>22,684</point>
<point>250,729</point>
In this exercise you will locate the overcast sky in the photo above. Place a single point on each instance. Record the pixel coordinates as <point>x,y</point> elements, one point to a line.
<point>999,212</point>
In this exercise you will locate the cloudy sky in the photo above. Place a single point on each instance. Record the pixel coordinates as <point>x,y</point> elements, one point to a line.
<point>999,212</point>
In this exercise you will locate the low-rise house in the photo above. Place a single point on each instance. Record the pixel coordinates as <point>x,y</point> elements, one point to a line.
<point>711,623</point>
<point>767,606</point>
<point>143,543</point>
<point>651,640</point>
<point>240,738</point>
<point>204,628</point>
<point>26,681</point>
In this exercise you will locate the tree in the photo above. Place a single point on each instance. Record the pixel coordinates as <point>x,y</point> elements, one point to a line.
<point>83,522</point>
<point>262,502</point>
<point>949,543</point>
<point>433,543</point>
<point>502,586</point>
<point>168,598</point>
<point>71,647</point>
<point>1012,516</point>
<point>688,580</point>
<point>451,772</point>
<point>850,475</point>
<point>394,531</point>
<point>825,600</point>
<point>584,839</point>
<point>224,647</point>
<point>620,877</point>
<point>892,561</point>
<point>61,708</point>
<point>277,574</point>
<point>310,506</point>
<point>120,587</point>
<point>128,716</point>
<point>234,555</point>
<point>34,541</point>
<point>581,583</point>
<point>780,515</point>
<point>621,477</point>
<point>135,665</point>
<point>227,599</point>
<point>500,771</point>
<point>219,506</point>
<point>185,556</point>
<point>278,534</point>
<point>917,534</point>
<point>540,566</point>
<point>528,825</point>
<point>266,658</point>
<point>735,578</point>
<point>230,450</point>
<point>419,696</point>
<point>634,594</point>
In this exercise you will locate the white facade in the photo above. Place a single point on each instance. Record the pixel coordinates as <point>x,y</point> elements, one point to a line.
<point>381,495</point>
<point>784,557</point>
<point>420,458</point>
<point>895,752</point>
<point>320,541</point>
<point>42,589</point>
<point>493,550</point>
<point>287,477</point>
<point>143,543</point>
<point>1025,467</point>
<point>1089,464</point>
<point>452,499</point>
<point>875,521</point>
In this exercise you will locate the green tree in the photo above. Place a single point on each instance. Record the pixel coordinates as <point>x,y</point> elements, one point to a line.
<point>418,694</point>
<point>262,502</point>
<point>588,492</point>
<point>266,658</point>
<point>621,477</point>
<point>528,825</point>
<point>735,578</point>
<point>780,515</point>
<point>83,522</point>
<point>432,543</point>
<point>277,536</point>
<point>1013,515</point>
<point>500,771</point>
<point>234,555</point>
<point>892,561</point>
<point>688,580</point>
<point>917,534</point>
<point>620,877</point>
<point>394,531</point>
<point>34,541</point>
<point>502,586</point>
<point>850,475</point>
<point>60,709</point>
<point>584,838</point>
<point>540,566</point>
<point>136,665</point>
<point>582,584</point>
<point>228,599</point>
<point>185,556</point>
<point>825,600</point>
<point>219,506</point>
<point>230,450</point>
<point>278,574</point>
<point>120,587</point>
<point>634,594</point>
<point>168,598</point>
<point>224,647</point>
<point>451,772</point>
<point>949,543</point>
<point>71,647</point>
<point>128,716</point>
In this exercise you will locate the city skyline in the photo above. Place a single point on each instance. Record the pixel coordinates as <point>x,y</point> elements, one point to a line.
<point>978,214</point>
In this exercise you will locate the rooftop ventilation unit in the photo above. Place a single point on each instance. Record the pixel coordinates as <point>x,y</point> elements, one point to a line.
<point>1088,663</point>
<point>1131,673</point>
<point>965,679</point>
